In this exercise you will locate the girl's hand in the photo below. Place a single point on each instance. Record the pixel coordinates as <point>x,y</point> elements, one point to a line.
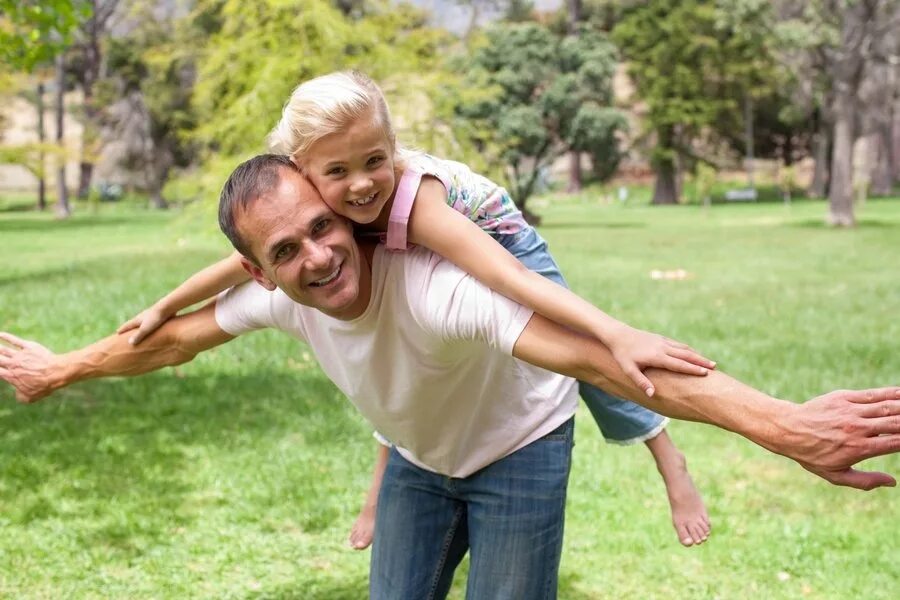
<point>146,322</point>
<point>636,350</point>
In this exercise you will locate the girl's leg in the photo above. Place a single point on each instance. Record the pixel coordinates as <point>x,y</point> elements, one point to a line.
<point>622,421</point>
<point>689,515</point>
<point>363,529</point>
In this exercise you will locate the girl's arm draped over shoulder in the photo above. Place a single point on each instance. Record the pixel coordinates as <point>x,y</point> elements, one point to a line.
<point>435,225</point>
<point>200,286</point>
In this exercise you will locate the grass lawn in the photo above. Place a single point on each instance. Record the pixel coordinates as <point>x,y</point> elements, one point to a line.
<point>239,474</point>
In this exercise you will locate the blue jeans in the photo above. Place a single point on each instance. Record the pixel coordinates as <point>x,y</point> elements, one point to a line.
<point>509,516</point>
<point>621,421</point>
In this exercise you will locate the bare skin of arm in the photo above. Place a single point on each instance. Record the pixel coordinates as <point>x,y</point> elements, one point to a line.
<point>826,435</point>
<point>200,286</point>
<point>435,225</point>
<point>36,372</point>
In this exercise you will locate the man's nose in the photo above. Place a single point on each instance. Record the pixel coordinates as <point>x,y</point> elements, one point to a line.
<point>317,256</point>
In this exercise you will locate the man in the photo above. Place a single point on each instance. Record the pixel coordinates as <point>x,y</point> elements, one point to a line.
<point>439,364</point>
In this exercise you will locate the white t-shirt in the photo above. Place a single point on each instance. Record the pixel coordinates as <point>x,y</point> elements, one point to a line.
<point>429,363</point>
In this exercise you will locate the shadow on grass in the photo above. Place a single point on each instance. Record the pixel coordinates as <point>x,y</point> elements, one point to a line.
<point>861,224</point>
<point>72,224</point>
<point>331,586</point>
<point>63,273</point>
<point>118,460</point>
<point>592,225</point>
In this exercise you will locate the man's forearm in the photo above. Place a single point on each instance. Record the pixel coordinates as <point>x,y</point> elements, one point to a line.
<point>35,372</point>
<point>716,399</point>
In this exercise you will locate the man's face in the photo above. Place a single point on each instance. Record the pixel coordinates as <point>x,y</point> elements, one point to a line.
<point>304,249</point>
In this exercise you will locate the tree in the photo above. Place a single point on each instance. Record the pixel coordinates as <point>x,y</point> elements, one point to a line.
<point>86,58</point>
<point>846,43</point>
<point>256,54</point>
<point>544,95</point>
<point>33,34</point>
<point>863,26</point>
<point>694,63</point>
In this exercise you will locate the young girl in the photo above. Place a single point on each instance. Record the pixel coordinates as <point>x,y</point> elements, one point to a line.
<point>338,130</point>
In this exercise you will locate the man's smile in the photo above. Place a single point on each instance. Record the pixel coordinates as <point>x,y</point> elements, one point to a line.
<point>328,278</point>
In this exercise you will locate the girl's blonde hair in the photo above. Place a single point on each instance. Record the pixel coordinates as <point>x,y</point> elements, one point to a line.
<point>326,105</point>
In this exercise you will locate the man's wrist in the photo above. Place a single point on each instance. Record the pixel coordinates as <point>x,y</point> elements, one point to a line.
<point>784,433</point>
<point>62,371</point>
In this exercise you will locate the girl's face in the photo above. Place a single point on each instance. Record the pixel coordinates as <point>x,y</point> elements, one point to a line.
<point>353,170</point>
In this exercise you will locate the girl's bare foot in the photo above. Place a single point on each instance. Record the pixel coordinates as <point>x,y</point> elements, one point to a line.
<point>363,529</point>
<point>689,516</point>
<point>688,511</point>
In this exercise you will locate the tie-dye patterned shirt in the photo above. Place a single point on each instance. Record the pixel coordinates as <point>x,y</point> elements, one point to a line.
<point>480,199</point>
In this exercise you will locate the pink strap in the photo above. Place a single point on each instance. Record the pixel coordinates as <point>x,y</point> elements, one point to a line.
<point>403,201</point>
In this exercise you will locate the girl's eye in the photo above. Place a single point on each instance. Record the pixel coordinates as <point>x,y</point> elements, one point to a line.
<point>335,171</point>
<point>375,160</point>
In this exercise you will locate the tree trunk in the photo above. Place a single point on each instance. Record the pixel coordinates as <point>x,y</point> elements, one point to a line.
<point>840,194</point>
<point>42,137</point>
<point>63,210</point>
<point>821,142</point>
<point>90,134</point>
<point>665,189</point>
<point>882,182</point>
<point>574,185</point>
<point>574,13</point>
<point>893,138</point>
<point>157,181</point>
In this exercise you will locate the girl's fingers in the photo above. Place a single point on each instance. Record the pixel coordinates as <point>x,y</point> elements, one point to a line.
<point>692,356</point>
<point>678,365</point>
<point>640,380</point>
<point>127,326</point>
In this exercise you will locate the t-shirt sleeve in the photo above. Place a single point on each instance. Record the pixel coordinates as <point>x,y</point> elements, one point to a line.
<point>461,308</point>
<point>246,307</point>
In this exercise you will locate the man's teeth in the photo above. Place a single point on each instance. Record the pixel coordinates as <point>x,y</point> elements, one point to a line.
<point>327,280</point>
<point>363,201</point>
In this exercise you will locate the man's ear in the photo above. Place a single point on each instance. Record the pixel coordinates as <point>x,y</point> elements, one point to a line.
<point>257,274</point>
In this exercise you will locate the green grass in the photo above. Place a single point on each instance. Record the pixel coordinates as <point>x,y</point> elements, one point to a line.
<point>238,475</point>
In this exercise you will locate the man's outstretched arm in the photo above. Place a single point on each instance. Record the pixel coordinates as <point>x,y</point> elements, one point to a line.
<point>35,371</point>
<point>826,435</point>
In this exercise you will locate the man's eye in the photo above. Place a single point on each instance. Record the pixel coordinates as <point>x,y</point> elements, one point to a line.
<point>321,225</point>
<point>282,252</point>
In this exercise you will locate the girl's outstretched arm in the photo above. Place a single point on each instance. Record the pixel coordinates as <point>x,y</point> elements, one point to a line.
<point>198,287</point>
<point>435,225</point>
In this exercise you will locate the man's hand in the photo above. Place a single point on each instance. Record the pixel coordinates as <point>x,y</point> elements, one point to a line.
<point>833,432</point>
<point>26,366</point>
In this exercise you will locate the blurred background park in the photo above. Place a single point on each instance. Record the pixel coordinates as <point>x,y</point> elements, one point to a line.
<point>722,171</point>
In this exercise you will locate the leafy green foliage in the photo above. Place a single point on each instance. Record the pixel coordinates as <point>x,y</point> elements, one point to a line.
<point>34,31</point>
<point>256,54</point>
<point>545,94</point>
